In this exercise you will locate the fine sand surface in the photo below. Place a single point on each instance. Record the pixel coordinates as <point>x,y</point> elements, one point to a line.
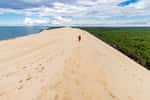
<point>53,65</point>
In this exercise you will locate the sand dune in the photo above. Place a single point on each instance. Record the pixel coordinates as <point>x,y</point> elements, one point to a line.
<point>53,65</point>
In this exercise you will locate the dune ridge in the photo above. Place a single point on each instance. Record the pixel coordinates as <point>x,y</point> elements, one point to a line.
<point>54,65</point>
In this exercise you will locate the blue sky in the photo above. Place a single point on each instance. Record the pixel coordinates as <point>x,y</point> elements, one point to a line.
<point>75,12</point>
<point>127,2</point>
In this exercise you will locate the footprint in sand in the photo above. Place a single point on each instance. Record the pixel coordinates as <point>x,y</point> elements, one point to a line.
<point>41,69</point>
<point>77,82</point>
<point>56,97</point>
<point>130,98</point>
<point>112,95</point>
<point>20,81</point>
<point>36,68</point>
<point>10,74</point>
<point>29,78</point>
<point>39,64</point>
<point>2,93</point>
<point>73,72</point>
<point>24,67</point>
<point>62,97</point>
<point>20,87</point>
<point>140,79</point>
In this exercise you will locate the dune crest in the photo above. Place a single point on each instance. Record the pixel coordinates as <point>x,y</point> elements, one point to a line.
<point>54,65</point>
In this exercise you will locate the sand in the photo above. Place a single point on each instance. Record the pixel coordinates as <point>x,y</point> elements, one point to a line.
<point>53,65</point>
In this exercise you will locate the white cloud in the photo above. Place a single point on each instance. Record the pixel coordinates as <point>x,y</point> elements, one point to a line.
<point>67,9</point>
<point>138,5</point>
<point>30,21</point>
<point>58,20</point>
<point>33,1</point>
<point>85,12</point>
<point>41,21</point>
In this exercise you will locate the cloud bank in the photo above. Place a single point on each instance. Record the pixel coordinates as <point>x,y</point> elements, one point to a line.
<point>81,12</point>
<point>30,22</point>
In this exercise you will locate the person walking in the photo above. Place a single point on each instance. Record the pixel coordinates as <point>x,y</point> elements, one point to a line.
<point>79,38</point>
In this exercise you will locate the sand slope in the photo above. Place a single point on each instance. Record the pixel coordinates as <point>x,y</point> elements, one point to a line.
<point>53,65</point>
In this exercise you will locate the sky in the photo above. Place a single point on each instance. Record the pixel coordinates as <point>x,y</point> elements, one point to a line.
<point>74,12</point>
